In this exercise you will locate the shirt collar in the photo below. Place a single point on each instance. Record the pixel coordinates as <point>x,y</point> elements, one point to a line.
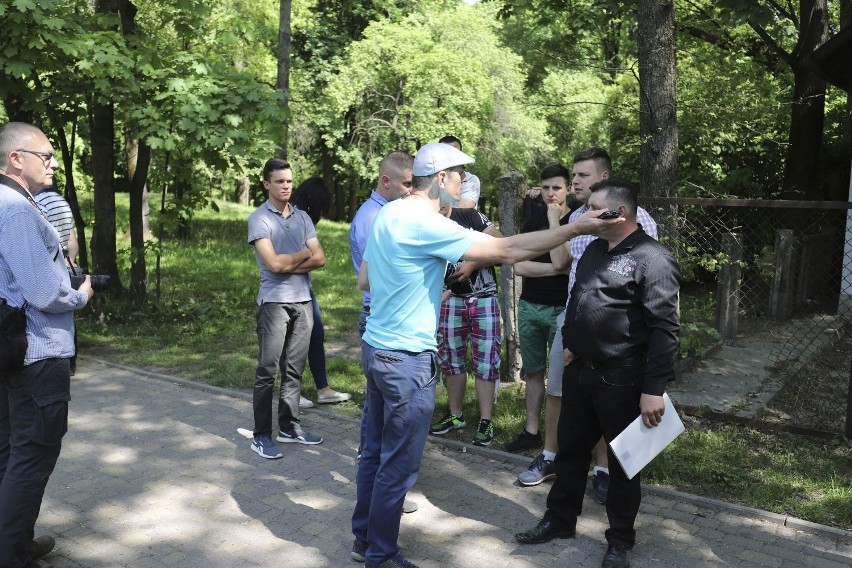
<point>628,242</point>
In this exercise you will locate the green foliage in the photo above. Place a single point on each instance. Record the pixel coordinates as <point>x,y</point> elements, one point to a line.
<point>460,81</point>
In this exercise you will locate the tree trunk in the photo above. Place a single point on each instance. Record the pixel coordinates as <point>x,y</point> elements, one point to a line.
<point>657,99</point>
<point>103,166</point>
<point>282,83</point>
<point>511,188</point>
<point>138,161</point>
<point>845,22</point>
<point>808,112</point>
<point>242,189</point>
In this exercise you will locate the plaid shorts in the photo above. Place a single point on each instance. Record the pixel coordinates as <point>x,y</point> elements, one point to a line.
<point>476,319</point>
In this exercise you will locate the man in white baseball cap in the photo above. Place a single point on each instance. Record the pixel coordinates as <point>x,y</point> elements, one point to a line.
<point>407,252</point>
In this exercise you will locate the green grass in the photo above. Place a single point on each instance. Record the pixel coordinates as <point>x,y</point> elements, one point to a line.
<point>203,328</point>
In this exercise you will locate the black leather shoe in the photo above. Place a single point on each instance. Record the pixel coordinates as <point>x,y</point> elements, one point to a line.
<point>615,557</point>
<point>544,531</point>
<point>41,546</point>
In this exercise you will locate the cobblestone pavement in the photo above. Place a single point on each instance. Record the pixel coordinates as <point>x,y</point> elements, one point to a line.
<point>158,473</point>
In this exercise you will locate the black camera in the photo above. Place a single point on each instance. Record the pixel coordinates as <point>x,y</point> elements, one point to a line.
<point>100,282</point>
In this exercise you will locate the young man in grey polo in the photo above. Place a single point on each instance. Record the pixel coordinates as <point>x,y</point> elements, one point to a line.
<point>286,249</point>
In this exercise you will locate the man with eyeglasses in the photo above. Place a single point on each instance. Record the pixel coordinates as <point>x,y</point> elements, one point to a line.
<point>33,400</point>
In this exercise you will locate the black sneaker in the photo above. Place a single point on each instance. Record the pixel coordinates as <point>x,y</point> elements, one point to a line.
<point>359,550</point>
<point>398,561</point>
<point>524,441</point>
<point>600,482</point>
<point>484,433</point>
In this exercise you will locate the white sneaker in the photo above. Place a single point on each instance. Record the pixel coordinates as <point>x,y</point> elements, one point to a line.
<point>305,403</point>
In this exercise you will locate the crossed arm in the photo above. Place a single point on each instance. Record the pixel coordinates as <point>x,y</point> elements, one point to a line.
<point>300,262</point>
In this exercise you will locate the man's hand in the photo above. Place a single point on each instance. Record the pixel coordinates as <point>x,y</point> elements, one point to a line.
<point>652,408</point>
<point>554,212</point>
<point>86,286</point>
<point>589,224</point>
<point>534,192</point>
<point>463,271</point>
<point>567,356</point>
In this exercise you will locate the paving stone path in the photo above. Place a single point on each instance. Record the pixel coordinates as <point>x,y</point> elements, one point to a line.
<point>157,472</point>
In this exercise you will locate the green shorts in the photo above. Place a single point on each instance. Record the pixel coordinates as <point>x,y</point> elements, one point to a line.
<point>536,328</point>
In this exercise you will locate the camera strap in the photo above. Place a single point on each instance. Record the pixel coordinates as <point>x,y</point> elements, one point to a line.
<point>12,184</point>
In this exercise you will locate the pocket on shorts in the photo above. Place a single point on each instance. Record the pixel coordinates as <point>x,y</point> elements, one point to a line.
<point>51,418</point>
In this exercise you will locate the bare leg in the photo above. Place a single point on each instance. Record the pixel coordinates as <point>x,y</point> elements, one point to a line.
<point>551,420</point>
<point>601,457</point>
<point>485,395</point>
<point>456,385</point>
<point>534,400</point>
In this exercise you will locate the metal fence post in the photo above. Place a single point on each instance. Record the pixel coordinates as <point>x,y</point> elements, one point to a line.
<point>728,288</point>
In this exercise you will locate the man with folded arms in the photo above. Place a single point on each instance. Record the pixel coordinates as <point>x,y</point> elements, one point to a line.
<point>620,343</point>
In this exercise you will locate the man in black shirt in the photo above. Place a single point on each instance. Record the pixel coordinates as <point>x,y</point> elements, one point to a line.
<point>621,339</point>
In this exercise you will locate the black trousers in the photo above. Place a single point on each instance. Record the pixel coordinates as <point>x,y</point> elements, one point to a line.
<point>33,420</point>
<point>595,402</point>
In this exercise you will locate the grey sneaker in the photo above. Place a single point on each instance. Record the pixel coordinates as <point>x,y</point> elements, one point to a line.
<point>296,435</point>
<point>359,550</point>
<point>540,470</point>
<point>305,402</point>
<point>398,561</point>
<point>265,447</point>
<point>448,423</point>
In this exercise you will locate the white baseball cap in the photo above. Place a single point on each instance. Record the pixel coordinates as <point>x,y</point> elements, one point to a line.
<point>435,157</point>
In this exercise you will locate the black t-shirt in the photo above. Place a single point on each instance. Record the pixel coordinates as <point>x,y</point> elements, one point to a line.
<point>547,290</point>
<point>482,282</point>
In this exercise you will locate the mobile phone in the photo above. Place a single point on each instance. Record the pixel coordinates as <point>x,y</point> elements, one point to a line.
<point>608,215</point>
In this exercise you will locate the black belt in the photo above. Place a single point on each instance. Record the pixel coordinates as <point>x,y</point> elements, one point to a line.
<point>365,309</point>
<point>613,363</point>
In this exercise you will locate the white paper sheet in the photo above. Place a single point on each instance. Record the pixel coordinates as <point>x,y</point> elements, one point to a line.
<point>637,445</point>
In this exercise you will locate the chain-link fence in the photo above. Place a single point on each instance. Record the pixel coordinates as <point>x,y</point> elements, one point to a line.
<point>778,268</point>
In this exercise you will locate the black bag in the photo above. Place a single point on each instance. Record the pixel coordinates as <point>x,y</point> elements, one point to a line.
<point>13,337</point>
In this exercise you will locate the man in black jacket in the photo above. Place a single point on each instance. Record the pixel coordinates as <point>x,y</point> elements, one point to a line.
<point>621,339</point>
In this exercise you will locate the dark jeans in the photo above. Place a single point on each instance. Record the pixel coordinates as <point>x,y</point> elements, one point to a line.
<point>316,349</point>
<point>283,333</point>
<point>33,420</point>
<point>594,403</point>
<point>394,427</point>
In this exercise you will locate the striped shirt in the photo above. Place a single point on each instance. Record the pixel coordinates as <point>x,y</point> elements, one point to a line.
<point>58,212</point>
<point>33,273</point>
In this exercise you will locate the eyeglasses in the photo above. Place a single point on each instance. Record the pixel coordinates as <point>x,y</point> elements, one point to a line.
<point>46,157</point>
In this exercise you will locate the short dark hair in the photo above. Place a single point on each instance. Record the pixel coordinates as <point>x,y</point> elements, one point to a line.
<point>313,197</point>
<point>621,190</point>
<point>421,183</point>
<point>556,170</point>
<point>598,155</point>
<point>273,165</point>
<point>398,161</point>
<point>449,139</point>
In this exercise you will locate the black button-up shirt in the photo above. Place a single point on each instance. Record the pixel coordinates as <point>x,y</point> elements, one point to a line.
<point>624,304</point>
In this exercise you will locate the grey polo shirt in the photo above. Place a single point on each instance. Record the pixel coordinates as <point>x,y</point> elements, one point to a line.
<point>288,235</point>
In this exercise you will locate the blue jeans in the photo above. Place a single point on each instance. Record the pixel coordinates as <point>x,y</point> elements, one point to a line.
<point>394,427</point>
<point>283,333</point>
<point>33,420</point>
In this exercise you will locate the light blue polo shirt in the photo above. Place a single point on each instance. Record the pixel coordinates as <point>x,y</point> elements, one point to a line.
<point>407,254</point>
